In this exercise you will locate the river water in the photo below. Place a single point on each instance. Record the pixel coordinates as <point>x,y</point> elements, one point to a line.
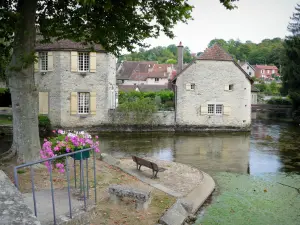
<point>271,147</point>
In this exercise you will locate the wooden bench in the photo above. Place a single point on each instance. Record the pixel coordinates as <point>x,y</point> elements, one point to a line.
<point>143,162</point>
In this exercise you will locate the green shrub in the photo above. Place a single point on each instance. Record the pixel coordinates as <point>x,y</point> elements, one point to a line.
<point>279,101</point>
<point>44,122</point>
<point>3,90</point>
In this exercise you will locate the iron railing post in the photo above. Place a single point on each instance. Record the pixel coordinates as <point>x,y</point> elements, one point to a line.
<point>87,177</point>
<point>95,182</point>
<point>33,190</point>
<point>52,193</point>
<point>69,193</point>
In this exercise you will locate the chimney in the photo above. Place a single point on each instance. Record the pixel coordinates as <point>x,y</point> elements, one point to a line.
<point>179,57</point>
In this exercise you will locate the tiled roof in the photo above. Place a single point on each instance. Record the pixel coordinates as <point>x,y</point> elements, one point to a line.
<point>127,87</point>
<point>266,67</point>
<point>128,67</point>
<point>67,45</point>
<point>148,87</point>
<point>215,53</point>
<point>138,76</point>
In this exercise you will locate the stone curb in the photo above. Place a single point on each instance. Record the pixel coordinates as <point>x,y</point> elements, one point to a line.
<point>183,207</point>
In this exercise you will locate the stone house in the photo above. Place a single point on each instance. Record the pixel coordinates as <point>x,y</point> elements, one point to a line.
<point>77,85</point>
<point>213,91</point>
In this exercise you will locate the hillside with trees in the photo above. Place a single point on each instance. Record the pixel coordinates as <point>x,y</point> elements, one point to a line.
<point>266,52</point>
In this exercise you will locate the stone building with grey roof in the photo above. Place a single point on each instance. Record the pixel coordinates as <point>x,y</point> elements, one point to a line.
<point>76,83</point>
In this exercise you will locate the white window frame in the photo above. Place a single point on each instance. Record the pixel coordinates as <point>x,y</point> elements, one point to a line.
<point>83,61</point>
<point>213,109</point>
<point>84,103</point>
<point>43,61</point>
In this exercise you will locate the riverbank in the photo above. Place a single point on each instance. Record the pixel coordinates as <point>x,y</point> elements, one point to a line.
<point>189,185</point>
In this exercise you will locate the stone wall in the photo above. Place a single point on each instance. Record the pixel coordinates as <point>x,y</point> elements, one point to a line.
<point>3,84</point>
<point>210,79</point>
<point>13,210</point>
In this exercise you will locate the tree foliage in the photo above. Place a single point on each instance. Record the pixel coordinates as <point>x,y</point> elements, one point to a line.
<point>161,54</point>
<point>291,60</point>
<point>269,51</point>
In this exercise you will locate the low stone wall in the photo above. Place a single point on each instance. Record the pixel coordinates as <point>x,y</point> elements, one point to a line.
<point>13,210</point>
<point>268,111</point>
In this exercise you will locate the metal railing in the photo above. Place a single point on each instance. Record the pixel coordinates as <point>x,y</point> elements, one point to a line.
<point>82,178</point>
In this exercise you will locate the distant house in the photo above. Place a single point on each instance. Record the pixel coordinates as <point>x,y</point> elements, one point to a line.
<point>213,91</point>
<point>254,92</point>
<point>248,68</point>
<point>266,72</point>
<point>148,73</point>
<point>141,88</point>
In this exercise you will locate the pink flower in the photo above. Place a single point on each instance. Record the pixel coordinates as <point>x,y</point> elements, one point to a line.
<point>54,131</point>
<point>60,131</point>
<point>96,137</point>
<point>61,170</point>
<point>56,148</point>
<point>68,149</point>
<point>97,150</point>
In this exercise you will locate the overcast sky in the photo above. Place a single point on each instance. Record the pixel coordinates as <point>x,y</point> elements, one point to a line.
<point>254,20</point>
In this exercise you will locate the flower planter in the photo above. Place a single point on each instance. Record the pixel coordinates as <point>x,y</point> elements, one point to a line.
<point>81,155</point>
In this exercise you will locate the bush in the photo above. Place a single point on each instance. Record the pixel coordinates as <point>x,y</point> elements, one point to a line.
<point>44,122</point>
<point>279,101</point>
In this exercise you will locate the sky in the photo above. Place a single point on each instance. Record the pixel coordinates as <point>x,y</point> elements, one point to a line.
<point>253,20</point>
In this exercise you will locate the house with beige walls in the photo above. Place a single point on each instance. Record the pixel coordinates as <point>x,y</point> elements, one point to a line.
<point>76,83</point>
<point>213,91</point>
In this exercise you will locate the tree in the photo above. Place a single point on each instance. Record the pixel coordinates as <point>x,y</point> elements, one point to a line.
<point>115,24</point>
<point>291,60</point>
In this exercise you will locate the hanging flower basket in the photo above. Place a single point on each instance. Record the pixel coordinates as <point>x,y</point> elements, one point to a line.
<point>66,142</point>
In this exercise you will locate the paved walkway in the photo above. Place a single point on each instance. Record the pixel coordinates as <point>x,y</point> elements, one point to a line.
<point>180,179</point>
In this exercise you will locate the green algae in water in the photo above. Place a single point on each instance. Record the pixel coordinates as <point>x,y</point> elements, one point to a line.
<point>252,200</point>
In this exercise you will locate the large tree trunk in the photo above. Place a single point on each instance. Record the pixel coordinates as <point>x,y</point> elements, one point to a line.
<point>26,142</point>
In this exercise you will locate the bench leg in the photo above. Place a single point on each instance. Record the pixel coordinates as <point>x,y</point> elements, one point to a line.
<point>114,198</point>
<point>140,167</point>
<point>140,206</point>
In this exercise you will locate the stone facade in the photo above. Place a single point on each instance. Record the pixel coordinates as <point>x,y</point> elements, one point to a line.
<point>62,81</point>
<point>213,92</point>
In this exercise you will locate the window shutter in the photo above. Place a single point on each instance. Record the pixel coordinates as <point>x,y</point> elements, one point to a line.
<point>74,103</point>
<point>36,63</point>
<point>188,86</point>
<point>92,62</point>
<point>50,61</point>
<point>93,103</point>
<point>227,110</point>
<point>74,61</point>
<point>204,109</point>
<point>43,103</point>
<point>226,88</point>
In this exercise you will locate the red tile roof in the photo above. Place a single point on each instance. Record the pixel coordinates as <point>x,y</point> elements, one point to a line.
<point>266,67</point>
<point>138,76</point>
<point>215,53</point>
<point>128,67</point>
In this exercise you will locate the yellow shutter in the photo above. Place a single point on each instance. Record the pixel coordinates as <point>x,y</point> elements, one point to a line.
<point>227,110</point>
<point>73,103</point>
<point>74,61</point>
<point>93,62</point>
<point>226,88</point>
<point>93,103</point>
<point>188,86</point>
<point>36,62</point>
<point>50,61</point>
<point>43,103</point>
<point>204,109</point>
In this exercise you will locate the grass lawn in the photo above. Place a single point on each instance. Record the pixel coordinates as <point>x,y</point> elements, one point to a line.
<point>5,119</point>
<point>105,213</point>
<point>252,200</point>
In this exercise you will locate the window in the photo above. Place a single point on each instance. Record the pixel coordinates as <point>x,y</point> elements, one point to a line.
<point>247,67</point>
<point>230,87</point>
<point>83,102</point>
<point>262,71</point>
<point>249,73</point>
<point>156,79</point>
<point>219,109</point>
<point>211,109</point>
<point>193,86</point>
<point>43,58</point>
<point>83,62</point>
<point>268,71</point>
<point>273,71</point>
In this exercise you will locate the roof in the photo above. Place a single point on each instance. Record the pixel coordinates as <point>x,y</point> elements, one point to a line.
<point>254,89</point>
<point>215,53</point>
<point>266,67</point>
<point>138,76</point>
<point>128,67</point>
<point>160,71</point>
<point>243,63</point>
<point>127,87</point>
<point>67,45</point>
